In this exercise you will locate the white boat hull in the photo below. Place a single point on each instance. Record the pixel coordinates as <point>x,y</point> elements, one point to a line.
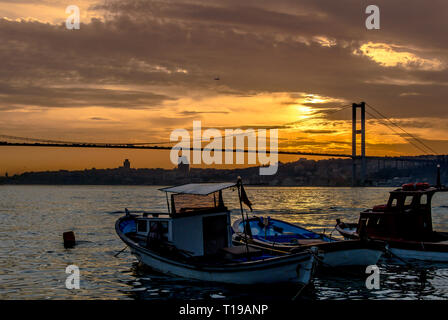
<point>288,268</point>
<point>297,269</point>
<point>350,258</point>
<point>431,256</point>
<point>419,251</point>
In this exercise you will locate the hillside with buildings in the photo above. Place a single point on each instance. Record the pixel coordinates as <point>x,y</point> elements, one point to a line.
<point>329,172</point>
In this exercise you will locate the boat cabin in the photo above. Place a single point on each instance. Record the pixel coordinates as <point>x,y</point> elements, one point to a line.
<point>197,220</point>
<point>407,215</point>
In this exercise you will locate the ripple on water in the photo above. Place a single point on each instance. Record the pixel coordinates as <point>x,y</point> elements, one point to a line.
<point>33,259</point>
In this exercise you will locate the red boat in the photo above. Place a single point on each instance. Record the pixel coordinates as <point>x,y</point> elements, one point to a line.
<point>404,223</point>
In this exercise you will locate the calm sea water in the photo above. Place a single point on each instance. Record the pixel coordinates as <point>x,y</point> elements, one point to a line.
<point>33,259</point>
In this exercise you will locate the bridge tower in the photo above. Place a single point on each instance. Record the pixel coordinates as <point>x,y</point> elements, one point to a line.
<point>362,132</point>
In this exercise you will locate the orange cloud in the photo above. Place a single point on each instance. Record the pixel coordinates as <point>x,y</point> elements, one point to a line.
<point>391,56</point>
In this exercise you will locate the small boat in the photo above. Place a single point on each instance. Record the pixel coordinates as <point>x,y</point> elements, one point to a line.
<point>404,223</point>
<point>193,240</point>
<point>281,236</point>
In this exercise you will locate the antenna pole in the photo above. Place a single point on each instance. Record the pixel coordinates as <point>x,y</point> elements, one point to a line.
<point>239,183</point>
<point>167,202</point>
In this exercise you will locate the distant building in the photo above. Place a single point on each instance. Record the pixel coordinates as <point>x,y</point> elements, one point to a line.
<point>126,164</point>
<point>183,166</point>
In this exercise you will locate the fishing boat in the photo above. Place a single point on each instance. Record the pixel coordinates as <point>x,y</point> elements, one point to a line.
<point>193,240</point>
<point>281,236</point>
<point>404,223</point>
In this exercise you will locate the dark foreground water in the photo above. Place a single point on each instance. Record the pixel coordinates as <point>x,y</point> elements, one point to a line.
<point>33,259</point>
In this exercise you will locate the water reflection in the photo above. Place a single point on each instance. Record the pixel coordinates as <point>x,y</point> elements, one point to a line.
<point>33,259</point>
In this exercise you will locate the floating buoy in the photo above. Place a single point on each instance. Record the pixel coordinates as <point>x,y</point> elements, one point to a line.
<point>69,239</point>
<point>415,186</point>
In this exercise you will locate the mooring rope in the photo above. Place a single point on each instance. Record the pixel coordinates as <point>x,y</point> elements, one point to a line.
<point>116,255</point>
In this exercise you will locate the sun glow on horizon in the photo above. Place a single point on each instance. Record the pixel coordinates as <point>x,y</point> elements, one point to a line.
<point>304,112</point>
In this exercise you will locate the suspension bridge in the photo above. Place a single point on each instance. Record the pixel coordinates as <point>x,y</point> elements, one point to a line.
<point>429,155</point>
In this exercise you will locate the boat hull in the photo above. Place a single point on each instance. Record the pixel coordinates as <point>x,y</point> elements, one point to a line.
<point>430,256</point>
<point>348,231</point>
<point>350,257</point>
<point>292,271</point>
<point>331,252</point>
<point>336,254</point>
<point>403,249</point>
<point>293,268</point>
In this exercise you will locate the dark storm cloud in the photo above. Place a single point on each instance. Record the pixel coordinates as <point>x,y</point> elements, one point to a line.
<point>99,119</point>
<point>23,1</point>
<point>77,97</point>
<point>402,21</point>
<point>258,46</point>
<point>330,105</point>
<point>248,127</point>
<point>193,113</point>
<point>324,131</point>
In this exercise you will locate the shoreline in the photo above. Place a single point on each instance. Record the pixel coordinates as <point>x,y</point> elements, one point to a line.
<point>164,185</point>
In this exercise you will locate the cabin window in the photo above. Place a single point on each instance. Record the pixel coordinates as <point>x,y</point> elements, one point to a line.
<point>373,221</point>
<point>394,202</point>
<point>183,203</point>
<point>424,199</point>
<point>142,226</point>
<point>160,228</point>
<point>408,200</point>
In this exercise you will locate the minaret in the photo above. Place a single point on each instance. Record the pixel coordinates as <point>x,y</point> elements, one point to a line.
<point>126,164</point>
<point>183,166</point>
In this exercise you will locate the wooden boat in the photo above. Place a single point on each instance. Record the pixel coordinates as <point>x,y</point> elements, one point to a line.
<point>282,236</point>
<point>404,224</point>
<point>193,240</point>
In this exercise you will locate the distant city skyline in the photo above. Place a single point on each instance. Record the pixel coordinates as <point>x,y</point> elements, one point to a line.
<point>329,172</point>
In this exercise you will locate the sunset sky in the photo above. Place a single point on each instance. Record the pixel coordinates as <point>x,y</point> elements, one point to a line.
<point>136,70</point>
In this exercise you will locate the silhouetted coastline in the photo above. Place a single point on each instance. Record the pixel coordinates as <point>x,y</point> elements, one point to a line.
<point>329,172</point>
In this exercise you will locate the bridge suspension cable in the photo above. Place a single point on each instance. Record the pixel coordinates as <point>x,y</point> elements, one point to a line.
<point>77,142</point>
<point>410,136</point>
<point>384,123</point>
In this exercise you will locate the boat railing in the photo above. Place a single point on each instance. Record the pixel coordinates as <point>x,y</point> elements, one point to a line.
<point>154,214</point>
<point>189,211</point>
<point>370,212</point>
